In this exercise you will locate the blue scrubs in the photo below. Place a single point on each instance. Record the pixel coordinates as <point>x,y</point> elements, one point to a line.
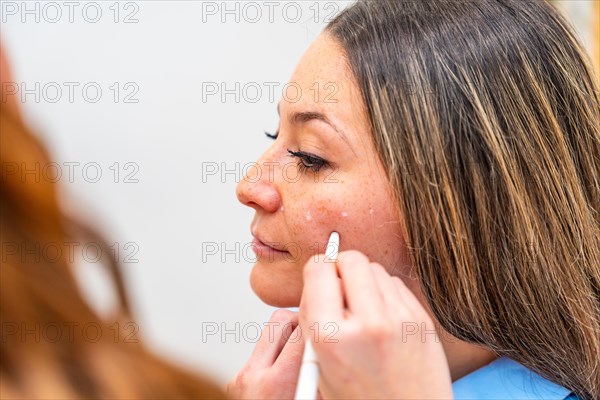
<point>506,379</point>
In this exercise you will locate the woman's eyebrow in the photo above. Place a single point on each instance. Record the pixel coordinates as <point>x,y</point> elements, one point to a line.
<point>301,117</point>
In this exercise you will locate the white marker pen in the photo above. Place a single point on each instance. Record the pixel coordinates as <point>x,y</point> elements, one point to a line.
<point>309,370</point>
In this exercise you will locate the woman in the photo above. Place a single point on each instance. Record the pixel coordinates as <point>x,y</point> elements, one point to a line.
<point>53,344</point>
<point>458,158</point>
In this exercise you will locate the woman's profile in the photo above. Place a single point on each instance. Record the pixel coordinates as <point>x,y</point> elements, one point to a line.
<point>464,142</point>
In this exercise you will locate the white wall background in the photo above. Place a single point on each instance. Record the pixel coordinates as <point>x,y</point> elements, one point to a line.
<point>172,49</point>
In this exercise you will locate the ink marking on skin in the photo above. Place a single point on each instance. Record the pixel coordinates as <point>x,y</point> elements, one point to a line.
<point>308,216</point>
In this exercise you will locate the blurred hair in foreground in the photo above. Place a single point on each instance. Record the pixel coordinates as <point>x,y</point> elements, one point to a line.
<point>36,292</point>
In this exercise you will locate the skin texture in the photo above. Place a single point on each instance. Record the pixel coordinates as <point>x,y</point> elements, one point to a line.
<point>371,294</point>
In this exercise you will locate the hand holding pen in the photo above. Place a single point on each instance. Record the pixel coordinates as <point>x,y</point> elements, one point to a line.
<point>384,344</point>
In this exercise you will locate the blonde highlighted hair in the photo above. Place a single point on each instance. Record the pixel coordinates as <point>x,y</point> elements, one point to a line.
<point>486,116</point>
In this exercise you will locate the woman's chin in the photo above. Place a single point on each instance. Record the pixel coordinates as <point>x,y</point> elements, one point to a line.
<point>275,287</point>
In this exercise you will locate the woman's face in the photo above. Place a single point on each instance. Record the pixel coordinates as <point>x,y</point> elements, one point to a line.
<point>297,208</point>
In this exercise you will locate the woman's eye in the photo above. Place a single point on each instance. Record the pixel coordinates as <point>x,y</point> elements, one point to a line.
<point>308,161</point>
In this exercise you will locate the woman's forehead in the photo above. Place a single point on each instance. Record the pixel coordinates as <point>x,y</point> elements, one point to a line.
<point>323,83</point>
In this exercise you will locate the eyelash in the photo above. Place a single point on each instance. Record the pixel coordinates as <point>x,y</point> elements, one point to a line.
<point>272,136</point>
<point>308,161</point>
<point>305,160</point>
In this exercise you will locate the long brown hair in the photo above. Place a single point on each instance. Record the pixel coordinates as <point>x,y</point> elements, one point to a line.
<point>54,345</point>
<point>486,116</point>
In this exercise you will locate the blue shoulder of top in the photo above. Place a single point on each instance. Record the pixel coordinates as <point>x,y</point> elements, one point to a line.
<point>506,379</point>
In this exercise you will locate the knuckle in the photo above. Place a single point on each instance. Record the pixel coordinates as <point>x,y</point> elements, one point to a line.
<point>379,267</point>
<point>243,374</point>
<point>352,334</point>
<point>238,383</point>
<point>406,317</point>
<point>352,257</point>
<point>397,280</point>
<point>378,330</point>
<point>283,316</point>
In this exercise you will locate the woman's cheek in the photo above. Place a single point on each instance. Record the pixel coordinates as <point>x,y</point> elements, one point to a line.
<point>314,226</point>
<point>311,227</point>
<point>364,218</point>
<point>367,229</point>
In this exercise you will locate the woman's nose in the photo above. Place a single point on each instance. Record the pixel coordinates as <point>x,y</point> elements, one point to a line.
<point>257,187</point>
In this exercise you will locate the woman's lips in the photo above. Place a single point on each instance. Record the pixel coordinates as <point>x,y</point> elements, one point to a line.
<point>261,248</point>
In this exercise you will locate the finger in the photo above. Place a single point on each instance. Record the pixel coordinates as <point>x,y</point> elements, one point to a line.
<point>322,297</point>
<point>273,339</point>
<point>389,292</point>
<point>358,282</point>
<point>319,395</point>
<point>409,298</point>
<point>291,354</point>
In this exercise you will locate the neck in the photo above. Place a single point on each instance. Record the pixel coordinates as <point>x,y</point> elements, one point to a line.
<point>464,358</point>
